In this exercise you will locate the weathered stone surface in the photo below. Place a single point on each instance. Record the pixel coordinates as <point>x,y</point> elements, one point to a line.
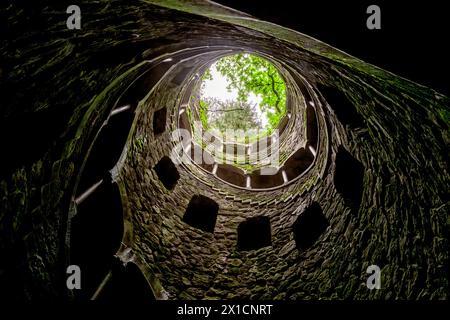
<point>70,81</point>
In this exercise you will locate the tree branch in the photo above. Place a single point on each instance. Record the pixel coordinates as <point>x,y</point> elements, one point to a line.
<point>226,110</point>
<point>276,92</point>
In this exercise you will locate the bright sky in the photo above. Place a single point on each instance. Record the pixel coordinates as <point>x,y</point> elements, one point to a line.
<point>217,88</point>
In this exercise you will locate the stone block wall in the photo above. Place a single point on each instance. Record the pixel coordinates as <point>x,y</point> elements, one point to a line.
<point>58,86</point>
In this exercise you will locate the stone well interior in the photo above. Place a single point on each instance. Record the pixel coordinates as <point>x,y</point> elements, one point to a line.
<point>362,178</point>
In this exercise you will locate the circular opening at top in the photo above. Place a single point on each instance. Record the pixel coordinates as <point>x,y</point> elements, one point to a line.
<point>242,98</point>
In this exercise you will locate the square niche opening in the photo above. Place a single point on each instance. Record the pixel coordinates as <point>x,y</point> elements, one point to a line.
<point>201,213</point>
<point>159,121</point>
<point>348,177</point>
<point>167,172</point>
<point>254,233</point>
<point>309,226</point>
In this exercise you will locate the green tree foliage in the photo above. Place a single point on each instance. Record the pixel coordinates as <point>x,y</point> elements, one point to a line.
<point>207,75</point>
<point>203,113</point>
<point>249,73</point>
<point>231,114</point>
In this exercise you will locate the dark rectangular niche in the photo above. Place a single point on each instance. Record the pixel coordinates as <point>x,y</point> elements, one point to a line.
<point>348,177</point>
<point>260,181</point>
<point>201,213</point>
<point>167,172</point>
<point>95,236</point>
<point>231,174</point>
<point>343,108</point>
<point>298,163</point>
<point>159,121</point>
<point>254,233</point>
<point>311,125</point>
<point>309,226</point>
